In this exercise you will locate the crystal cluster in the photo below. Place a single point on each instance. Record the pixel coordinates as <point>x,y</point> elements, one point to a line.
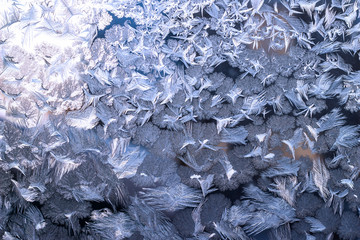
<point>179,119</point>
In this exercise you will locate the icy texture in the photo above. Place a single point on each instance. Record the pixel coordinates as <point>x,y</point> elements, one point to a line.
<point>120,118</point>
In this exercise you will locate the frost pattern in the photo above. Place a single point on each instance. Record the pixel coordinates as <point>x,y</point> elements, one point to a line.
<point>118,118</point>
